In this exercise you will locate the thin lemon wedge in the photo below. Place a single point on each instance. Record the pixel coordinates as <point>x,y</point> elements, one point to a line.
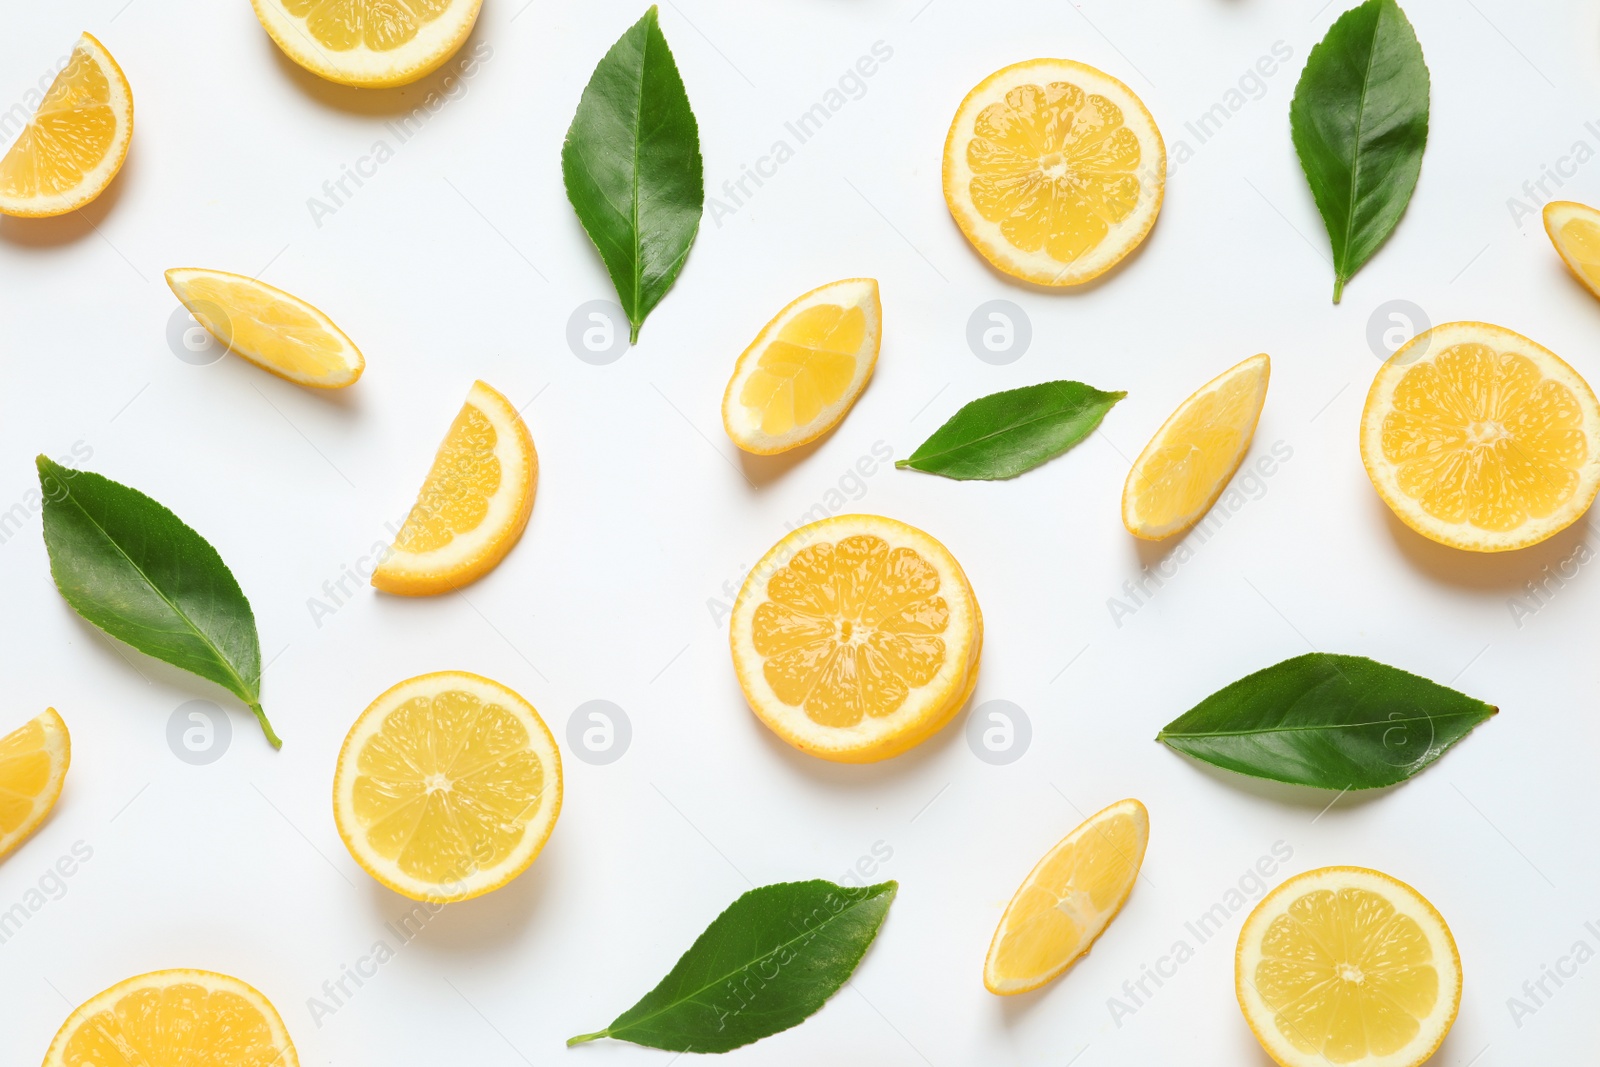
<point>1480,439</point>
<point>75,142</point>
<point>196,1018</point>
<point>372,44</point>
<point>1575,231</point>
<point>473,506</point>
<point>1350,967</point>
<point>1187,464</point>
<point>33,768</point>
<point>277,332</point>
<point>1068,899</point>
<point>856,638</point>
<point>802,373</point>
<point>1054,170</point>
<point>447,787</point>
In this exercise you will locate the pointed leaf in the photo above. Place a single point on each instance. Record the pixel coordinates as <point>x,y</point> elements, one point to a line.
<point>1004,434</point>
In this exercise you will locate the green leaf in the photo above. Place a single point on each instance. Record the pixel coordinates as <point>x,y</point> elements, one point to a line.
<point>632,167</point>
<point>1360,122</point>
<point>1332,722</point>
<point>765,964</point>
<point>134,569</point>
<point>1003,434</point>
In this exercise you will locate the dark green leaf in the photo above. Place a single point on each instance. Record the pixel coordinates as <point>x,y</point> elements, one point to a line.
<point>764,965</point>
<point>134,569</point>
<point>1360,122</point>
<point>632,167</point>
<point>1003,434</point>
<point>1333,722</point>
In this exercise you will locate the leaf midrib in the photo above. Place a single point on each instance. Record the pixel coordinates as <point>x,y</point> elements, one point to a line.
<point>1361,121</point>
<point>638,139</point>
<point>1319,727</point>
<point>971,442</point>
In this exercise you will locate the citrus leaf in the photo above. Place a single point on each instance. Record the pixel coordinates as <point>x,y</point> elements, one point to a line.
<point>134,569</point>
<point>1360,122</point>
<point>765,964</point>
<point>1332,722</point>
<point>1004,434</point>
<point>632,167</point>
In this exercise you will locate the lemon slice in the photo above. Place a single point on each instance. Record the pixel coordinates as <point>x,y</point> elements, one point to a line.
<point>1575,231</point>
<point>1481,439</point>
<point>195,1018</point>
<point>33,768</point>
<point>1350,967</point>
<point>474,505</point>
<point>803,371</point>
<point>856,638</point>
<point>372,44</point>
<point>1187,464</point>
<point>75,142</point>
<point>1068,899</point>
<point>448,785</point>
<point>1054,171</point>
<point>275,331</point>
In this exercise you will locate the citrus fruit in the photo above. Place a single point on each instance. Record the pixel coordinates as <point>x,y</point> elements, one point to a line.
<point>1347,966</point>
<point>194,1018</point>
<point>448,785</point>
<point>1575,231</point>
<point>1054,170</point>
<point>373,44</point>
<point>1481,439</point>
<point>33,768</point>
<point>1187,464</point>
<point>473,506</point>
<point>75,142</point>
<point>275,331</point>
<point>803,371</point>
<point>1068,899</point>
<point>856,638</point>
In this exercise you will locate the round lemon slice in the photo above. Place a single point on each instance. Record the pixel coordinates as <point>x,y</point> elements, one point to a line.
<point>803,371</point>
<point>33,768</point>
<point>1481,439</point>
<point>1068,900</point>
<point>369,43</point>
<point>173,1017</point>
<point>1575,231</point>
<point>277,332</point>
<point>1054,170</point>
<point>856,638</point>
<point>448,785</point>
<point>1347,966</point>
<point>75,142</point>
<point>1188,463</point>
<point>473,506</point>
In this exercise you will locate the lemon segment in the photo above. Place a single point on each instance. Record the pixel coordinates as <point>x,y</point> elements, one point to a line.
<point>802,373</point>
<point>196,1018</point>
<point>369,43</point>
<point>1575,231</point>
<point>33,768</point>
<point>473,506</point>
<point>1188,463</point>
<point>1350,967</point>
<point>447,787</point>
<point>1068,900</point>
<point>75,142</point>
<point>277,332</point>
<point>1054,171</point>
<point>1481,439</point>
<point>856,638</point>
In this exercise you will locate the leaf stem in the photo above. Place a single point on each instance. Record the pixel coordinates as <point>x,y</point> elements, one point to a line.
<point>266,727</point>
<point>1338,288</point>
<point>581,1038</point>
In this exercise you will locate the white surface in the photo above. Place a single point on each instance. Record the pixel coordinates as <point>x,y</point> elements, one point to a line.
<point>645,512</point>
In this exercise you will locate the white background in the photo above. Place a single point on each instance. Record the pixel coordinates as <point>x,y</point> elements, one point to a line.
<point>462,259</point>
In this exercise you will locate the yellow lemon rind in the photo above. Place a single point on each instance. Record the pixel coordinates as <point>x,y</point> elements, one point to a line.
<point>362,67</point>
<point>536,833</point>
<point>58,747</point>
<point>743,425</point>
<point>1040,268</point>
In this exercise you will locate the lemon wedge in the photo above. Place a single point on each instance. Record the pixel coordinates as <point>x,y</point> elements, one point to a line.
<point>33,768</point>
